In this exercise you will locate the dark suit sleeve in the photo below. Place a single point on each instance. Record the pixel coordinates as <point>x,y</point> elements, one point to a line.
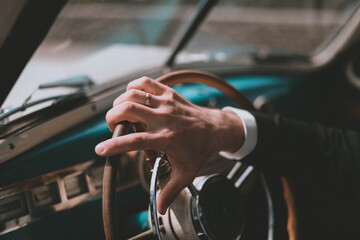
<point>294,148</point>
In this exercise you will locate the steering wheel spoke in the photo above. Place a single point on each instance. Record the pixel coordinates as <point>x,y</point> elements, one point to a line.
<point>239,182</point>
<point>194,192</point>
<point>239,174</point>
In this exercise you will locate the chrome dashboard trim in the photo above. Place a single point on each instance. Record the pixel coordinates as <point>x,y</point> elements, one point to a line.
<point>101,99</point>
<point>19,202</point>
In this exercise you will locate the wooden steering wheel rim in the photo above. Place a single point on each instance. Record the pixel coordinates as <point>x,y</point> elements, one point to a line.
<point>190,76</point>
<point>185,76</point>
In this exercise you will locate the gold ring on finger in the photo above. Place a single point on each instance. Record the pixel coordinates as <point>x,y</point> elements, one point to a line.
<point>148,98</point>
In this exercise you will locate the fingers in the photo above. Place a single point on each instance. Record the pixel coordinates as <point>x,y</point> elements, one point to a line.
<point>171,190</point>
<point>130,142</point>
<point>128,111</point>
<point>148,85</point>
<point>137,96</point>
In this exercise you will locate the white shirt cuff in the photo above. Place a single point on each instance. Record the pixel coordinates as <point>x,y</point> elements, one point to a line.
<point>250,128</point>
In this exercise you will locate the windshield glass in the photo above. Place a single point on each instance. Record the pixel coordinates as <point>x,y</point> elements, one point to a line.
<point>236,29</point>
<point>105,40</point>
<point>102,40</point>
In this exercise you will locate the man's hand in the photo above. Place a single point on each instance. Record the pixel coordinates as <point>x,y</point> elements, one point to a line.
<point>189,134</point>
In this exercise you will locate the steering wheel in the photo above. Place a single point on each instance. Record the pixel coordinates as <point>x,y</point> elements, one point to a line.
<point>202,210</point>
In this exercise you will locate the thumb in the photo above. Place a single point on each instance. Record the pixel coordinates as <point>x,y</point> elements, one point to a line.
<point>171,190</point>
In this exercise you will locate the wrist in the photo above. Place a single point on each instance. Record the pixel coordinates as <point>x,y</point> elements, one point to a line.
<point>227,130</point>
<point>233,136</point>
<point>224,129</point>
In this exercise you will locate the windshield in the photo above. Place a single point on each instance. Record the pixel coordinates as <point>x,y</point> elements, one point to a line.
<point>236,29</point>
<point>102,40</point>
<point>105,40</point>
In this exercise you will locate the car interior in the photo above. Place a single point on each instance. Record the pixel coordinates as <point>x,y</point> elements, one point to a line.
<point>64,62</point>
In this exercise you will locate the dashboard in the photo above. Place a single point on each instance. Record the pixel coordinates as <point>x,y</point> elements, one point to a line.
<point>54,190</point>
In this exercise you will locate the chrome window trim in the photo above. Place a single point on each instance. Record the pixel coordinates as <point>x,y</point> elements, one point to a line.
<point>339,42</point>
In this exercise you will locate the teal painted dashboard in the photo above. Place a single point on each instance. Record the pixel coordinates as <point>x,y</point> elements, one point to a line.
<point>77,146</point>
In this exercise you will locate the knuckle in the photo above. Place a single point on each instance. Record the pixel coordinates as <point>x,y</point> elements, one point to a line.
<point>116,112</point>
<point>128,106</point>
<point>131,84</point>
<point>108,116</point>
<point>171,96</point>
<point>137,141</point>
<point>116,101</point>
<point>145,79</point>
<point>110,120</point>
<point>132,93</point>
<point>172,93</point>
<point>168,101</point>
<point>127,96</point>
